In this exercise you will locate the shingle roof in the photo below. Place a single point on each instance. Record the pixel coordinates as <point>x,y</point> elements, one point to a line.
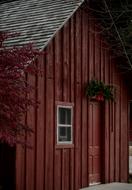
<point>36,20</point>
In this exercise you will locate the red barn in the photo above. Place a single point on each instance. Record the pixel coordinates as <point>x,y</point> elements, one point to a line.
<point>76,142</point>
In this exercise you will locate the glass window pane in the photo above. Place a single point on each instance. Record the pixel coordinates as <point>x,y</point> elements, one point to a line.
<point>64,116</point>
<point>64,134</point>
<point>63,131</point>
<point>68,133</point>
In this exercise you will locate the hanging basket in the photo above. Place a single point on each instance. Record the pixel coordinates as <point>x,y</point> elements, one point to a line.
<point>98,91</point>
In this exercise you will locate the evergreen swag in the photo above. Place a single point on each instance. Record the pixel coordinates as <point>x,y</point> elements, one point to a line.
<point>97,90</point>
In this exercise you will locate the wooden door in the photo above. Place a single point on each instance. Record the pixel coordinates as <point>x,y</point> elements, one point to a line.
<point>95,129</point>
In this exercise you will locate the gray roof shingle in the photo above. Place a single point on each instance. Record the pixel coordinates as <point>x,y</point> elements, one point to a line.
<point>36,20</point>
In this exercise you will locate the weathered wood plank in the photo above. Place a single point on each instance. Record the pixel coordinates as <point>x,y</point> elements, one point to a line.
<point>58,67</point>
<point>117,124</point>
<point>30,153</point>
<point>112,129</point>
<point>66,64</point>
<point>78,92</point>
<point>124,130</point>
<point>49,133</point>
<point>91,47</point>
<point>72,96</point>
<point>57,170</point>
<point>40,133</point>
<point>84,124</point>
<point>72,57</point>
<point>107,120</point>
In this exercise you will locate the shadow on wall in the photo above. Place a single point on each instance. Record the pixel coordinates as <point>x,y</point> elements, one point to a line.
<point>7,167</point>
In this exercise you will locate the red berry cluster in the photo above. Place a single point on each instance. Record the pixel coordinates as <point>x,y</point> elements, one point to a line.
<point>100,96</point>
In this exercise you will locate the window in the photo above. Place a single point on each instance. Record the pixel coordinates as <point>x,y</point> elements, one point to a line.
<point>64,124</point>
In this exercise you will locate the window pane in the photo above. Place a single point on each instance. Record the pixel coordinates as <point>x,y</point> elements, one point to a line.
<point>63,131</point>
<point>68,133</point>
<point>64,116</point>
<point>64,134</point>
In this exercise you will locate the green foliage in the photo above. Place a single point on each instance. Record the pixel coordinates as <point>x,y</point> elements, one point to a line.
<point>99,90</point>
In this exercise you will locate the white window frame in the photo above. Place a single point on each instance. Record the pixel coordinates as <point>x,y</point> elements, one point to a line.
<point>64,125</point>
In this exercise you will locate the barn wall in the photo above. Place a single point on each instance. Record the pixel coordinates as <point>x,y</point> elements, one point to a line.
<point>74,56</point>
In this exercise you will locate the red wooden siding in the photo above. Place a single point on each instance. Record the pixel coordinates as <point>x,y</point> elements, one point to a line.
<point>75,55</point>
<point>84,141</point>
